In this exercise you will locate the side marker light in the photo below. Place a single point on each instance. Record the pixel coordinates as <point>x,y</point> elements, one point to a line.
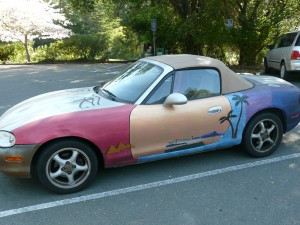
<point>14,159</point>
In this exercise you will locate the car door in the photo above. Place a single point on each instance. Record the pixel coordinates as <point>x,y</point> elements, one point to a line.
<point>281,51</point>
<point>156,129</point>
<point>275,53</point>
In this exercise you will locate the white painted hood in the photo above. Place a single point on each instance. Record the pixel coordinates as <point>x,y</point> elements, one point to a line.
<point>52,104</point>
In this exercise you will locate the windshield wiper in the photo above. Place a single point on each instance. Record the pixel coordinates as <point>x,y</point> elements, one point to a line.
<point>110,94</point>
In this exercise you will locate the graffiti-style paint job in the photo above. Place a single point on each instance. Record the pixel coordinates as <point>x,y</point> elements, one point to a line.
<point>88,102</point>
<point>84,114</point>
<point>272,92</point>
<point>153,127</point>
<point>155,131</point>
<point>216,139</point>
<point>111,130</point>
<point>53,104</point>
<point>113,123</point>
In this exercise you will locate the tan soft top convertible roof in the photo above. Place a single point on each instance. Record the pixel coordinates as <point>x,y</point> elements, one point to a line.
<point>231,82</point>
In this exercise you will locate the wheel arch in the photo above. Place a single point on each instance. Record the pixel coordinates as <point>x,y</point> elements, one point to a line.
<point>44,145</point>
<point>278,112</point>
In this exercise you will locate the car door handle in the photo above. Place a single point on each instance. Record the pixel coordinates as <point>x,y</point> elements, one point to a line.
<point>215,110</point>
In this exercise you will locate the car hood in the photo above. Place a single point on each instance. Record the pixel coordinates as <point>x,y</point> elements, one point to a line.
<point>52,104</point>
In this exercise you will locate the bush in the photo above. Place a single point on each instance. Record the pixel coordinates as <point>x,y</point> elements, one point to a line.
<point>89,47</point>
<point>6,52</point>
<point>86,47</point>
<point>126,47</point>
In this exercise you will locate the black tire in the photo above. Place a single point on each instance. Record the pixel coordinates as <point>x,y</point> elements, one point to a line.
<point>267,69</point>
<point>283,73</point>
<point>66,166</point>
<point>262,135</point>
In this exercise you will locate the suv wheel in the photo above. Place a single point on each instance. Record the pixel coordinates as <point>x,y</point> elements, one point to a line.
<point>283,72</point>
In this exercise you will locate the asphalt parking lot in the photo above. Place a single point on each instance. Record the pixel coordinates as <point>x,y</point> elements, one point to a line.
<point>221,187</point>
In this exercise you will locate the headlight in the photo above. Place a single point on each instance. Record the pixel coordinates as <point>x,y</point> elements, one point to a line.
<point>7,139</point>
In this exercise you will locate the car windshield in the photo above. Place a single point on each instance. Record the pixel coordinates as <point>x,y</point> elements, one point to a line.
<point>133,82</point>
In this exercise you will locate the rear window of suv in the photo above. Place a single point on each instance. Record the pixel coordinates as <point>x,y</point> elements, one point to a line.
<point>298,41</point>
<point>287,40</point>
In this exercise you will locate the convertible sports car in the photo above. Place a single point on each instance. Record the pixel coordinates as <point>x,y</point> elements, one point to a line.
<point>160,107</point>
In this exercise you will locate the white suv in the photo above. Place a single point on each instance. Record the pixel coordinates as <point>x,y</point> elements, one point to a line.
<point>284,55</point>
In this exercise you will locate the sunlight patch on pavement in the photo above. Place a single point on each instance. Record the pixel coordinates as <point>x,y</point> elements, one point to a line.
<point>108,68</point>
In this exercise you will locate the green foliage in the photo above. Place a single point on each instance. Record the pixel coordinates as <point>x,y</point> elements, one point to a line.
<point>86,47</point>
<point>125,45</point>
<point>118,29</point>
<point>83,6</point>
<point>19,55</point>
<point>256,22</point>
<point>6,51</point>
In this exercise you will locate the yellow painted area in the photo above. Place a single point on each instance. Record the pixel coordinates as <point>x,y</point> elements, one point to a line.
<point>120,147</point>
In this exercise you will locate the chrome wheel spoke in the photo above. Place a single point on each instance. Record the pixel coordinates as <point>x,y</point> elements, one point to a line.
<point>260,144</point>
<point>253,136</point>
<point>262,126</point>
<point>74,157</point>
<point>56,174</point>
<point>59,160</point>
<point>269,140</point>
<point>81,168</point>
<point>71,180</point>
<point>271,129</point>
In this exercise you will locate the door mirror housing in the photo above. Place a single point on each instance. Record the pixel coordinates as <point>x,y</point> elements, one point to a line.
<point>175,99</point>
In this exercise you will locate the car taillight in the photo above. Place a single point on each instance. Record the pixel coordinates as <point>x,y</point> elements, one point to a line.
<point>295,55</point>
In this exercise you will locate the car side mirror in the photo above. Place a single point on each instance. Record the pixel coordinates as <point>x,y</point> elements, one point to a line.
<point>270,47</point>
<point>175,99</point>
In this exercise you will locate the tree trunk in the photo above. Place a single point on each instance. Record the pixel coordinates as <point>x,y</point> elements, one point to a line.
<point>247,55</point>
<point>26,48</point>
<point>191,46</point>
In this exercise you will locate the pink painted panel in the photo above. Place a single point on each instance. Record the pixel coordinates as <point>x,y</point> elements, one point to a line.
<point>107,128</point>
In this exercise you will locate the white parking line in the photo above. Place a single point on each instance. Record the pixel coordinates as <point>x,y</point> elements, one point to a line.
<point>4,106</point>
<point>144,186</point>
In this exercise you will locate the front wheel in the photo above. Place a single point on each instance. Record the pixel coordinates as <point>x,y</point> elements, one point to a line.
<point>267,69</point>
<point>263,135</point>
<point>66,166</point>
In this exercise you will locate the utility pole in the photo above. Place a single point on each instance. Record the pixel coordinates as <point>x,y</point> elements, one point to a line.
<point>153,28</point>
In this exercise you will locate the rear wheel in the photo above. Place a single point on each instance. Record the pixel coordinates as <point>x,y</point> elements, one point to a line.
<point>283,73</point>
<point>66,166</point>
<point>263,135</point>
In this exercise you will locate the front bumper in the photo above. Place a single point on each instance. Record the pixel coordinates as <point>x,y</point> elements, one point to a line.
<point>21,167</point>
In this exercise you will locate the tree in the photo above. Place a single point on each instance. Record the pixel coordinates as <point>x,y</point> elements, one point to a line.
<point>255,21</point>
<point>25,20</point>
<point>198,26</point>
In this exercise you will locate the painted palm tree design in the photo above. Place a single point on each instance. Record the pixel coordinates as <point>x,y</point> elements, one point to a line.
<point>239,100</point>
<point>228,118</point>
